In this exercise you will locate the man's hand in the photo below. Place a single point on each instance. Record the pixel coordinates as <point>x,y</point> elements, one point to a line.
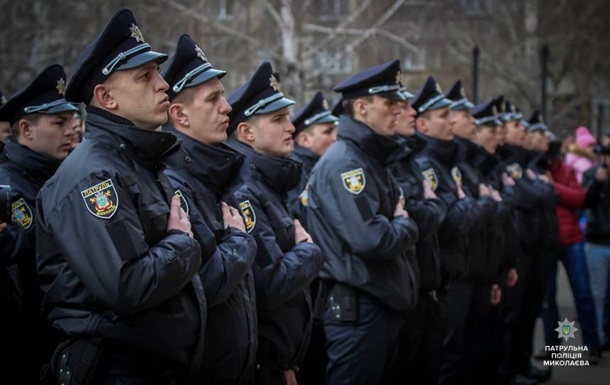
<point>428,192</point>
<point>178,219</point>
<point>400,209</point>
<point>507,180</point>
<point>291,377</point>
<point>300,234</point>
<point>484,190</point>
<point>512,277</point>
<point>601,174</point>
<point>2,226</point>
<point>496,294</point>
<point>231,217</point>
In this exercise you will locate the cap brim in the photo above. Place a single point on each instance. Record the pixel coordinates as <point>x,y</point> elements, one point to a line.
<point>143,58</point>
<point>440,104</point>
<point>407,95</point>
<point>327,119</point>
<point>393,95</point>
<point>463,106</point>
<point>64,107</point>
<point>207,75</point>
<point>278,104</point>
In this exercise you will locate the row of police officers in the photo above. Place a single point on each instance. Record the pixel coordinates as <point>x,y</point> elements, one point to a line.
<point>194,238</point>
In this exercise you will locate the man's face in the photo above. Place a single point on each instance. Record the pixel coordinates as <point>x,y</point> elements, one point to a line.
<point>462,124</point>
<point>501,134</point>
<point>487,138</point>
<point>405,126</point>
<point>139,94</point>
<point>318,137</point>
<point>515,133</point>
<point>539,141</point>
<point>208,112</point>
<point>272,133</point>
<point>51,135</point>
<point>5,130</point>
<point>379,114</point>
<point>436,124</point>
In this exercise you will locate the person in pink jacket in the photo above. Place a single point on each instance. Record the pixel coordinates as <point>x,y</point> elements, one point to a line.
<point>581,155</point>
<point>571,254</point>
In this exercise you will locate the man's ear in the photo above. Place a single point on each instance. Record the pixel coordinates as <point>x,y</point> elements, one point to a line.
<point>25,129</point>
<point>245,132</point>
<point>421,124</point>
<point>103,97</point>
<point>178,115</point>
<point>302,139</point>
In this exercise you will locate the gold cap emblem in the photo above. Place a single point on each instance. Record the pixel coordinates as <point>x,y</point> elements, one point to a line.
<point>136,34</point>
<point>200,53</point>
<point>399,77</point>
<point>274,83</point>
<point>438,88</point>
<point>61,86</point>
<point>325,104</point>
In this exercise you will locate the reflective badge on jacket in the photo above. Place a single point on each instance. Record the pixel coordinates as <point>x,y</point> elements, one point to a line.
<point>304,196</point>
<point>354,181</point>
<point>22,213</point>
<point>183,203</point>
<point>249,216</point>
<point>430,175</point>
<point>101,200</point>
<point>514,170</point>
<point>457,176</point>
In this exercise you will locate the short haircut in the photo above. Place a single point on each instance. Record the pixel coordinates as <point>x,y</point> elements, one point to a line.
<point>348,105</point>
<point>32,118</point>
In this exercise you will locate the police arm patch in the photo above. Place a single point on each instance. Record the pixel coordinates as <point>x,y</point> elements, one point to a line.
<point>22,213</point>
<point>247,212</point>
<point>183,203</point>
<point>430,175</point>
<point>456,175</point>
<point>514,170</point>
<point>101,199</point>
<point>354,181</point>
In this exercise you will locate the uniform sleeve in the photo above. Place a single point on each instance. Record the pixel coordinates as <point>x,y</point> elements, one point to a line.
<point>107,249</point>
<point>13,241</point>
<point>356,215</point>
<point>278,275</point>
<point>226,260</point>
<point>462,214</point>
<point>429,214</point>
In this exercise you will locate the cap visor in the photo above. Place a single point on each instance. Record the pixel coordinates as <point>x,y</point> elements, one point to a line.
<point>281,103</point>
<point>143,58</point>
<point>394,95</point>
<point>327,119</point>
<point>440,104</point>
<point>60,108</point>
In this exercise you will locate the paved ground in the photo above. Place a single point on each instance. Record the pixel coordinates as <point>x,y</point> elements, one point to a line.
<point>591,375</point>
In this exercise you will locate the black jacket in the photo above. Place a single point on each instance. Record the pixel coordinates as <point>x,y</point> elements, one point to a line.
<point>598,203</point>
<point>200,173</point>
<point>283,269</point>
<point>297,196</point>
<point>437,162</point>
<point>107,264</point>
<point>352,199</point>
<point>428,214</point>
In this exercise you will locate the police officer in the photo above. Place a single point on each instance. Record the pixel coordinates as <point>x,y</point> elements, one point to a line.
<point>421,337</point>
<point>200,172</point>
<point>287,260</point>
<point>356,212</point>
<point>315,130</point>
<point>116,256</point>
<point>525,299</point>
<point>438,162</point>
<point>42,127</point>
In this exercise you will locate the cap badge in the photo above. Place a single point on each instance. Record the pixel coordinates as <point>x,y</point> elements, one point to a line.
<point>494,110</point>
<point>438,88</point>
<point>274,83</point>
<point>135,33</point>
<point>325,104</point>
<point>399,77</point>
<point>200,53</point>
<point>61,86</point>
<point>462,92</point>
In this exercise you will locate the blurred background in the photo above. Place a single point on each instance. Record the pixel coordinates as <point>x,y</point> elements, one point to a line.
<point>551,55</point>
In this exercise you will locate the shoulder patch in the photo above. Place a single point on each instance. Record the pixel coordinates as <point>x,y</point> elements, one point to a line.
<point>249,215</point>
<point>430,175</point>
<point>22,213</point>
<point>304,196</point>
<point>354,181</point>
<point>456,175</point>
<point>183,203</point>
<point>514,170</point>
<point>102,199</point>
